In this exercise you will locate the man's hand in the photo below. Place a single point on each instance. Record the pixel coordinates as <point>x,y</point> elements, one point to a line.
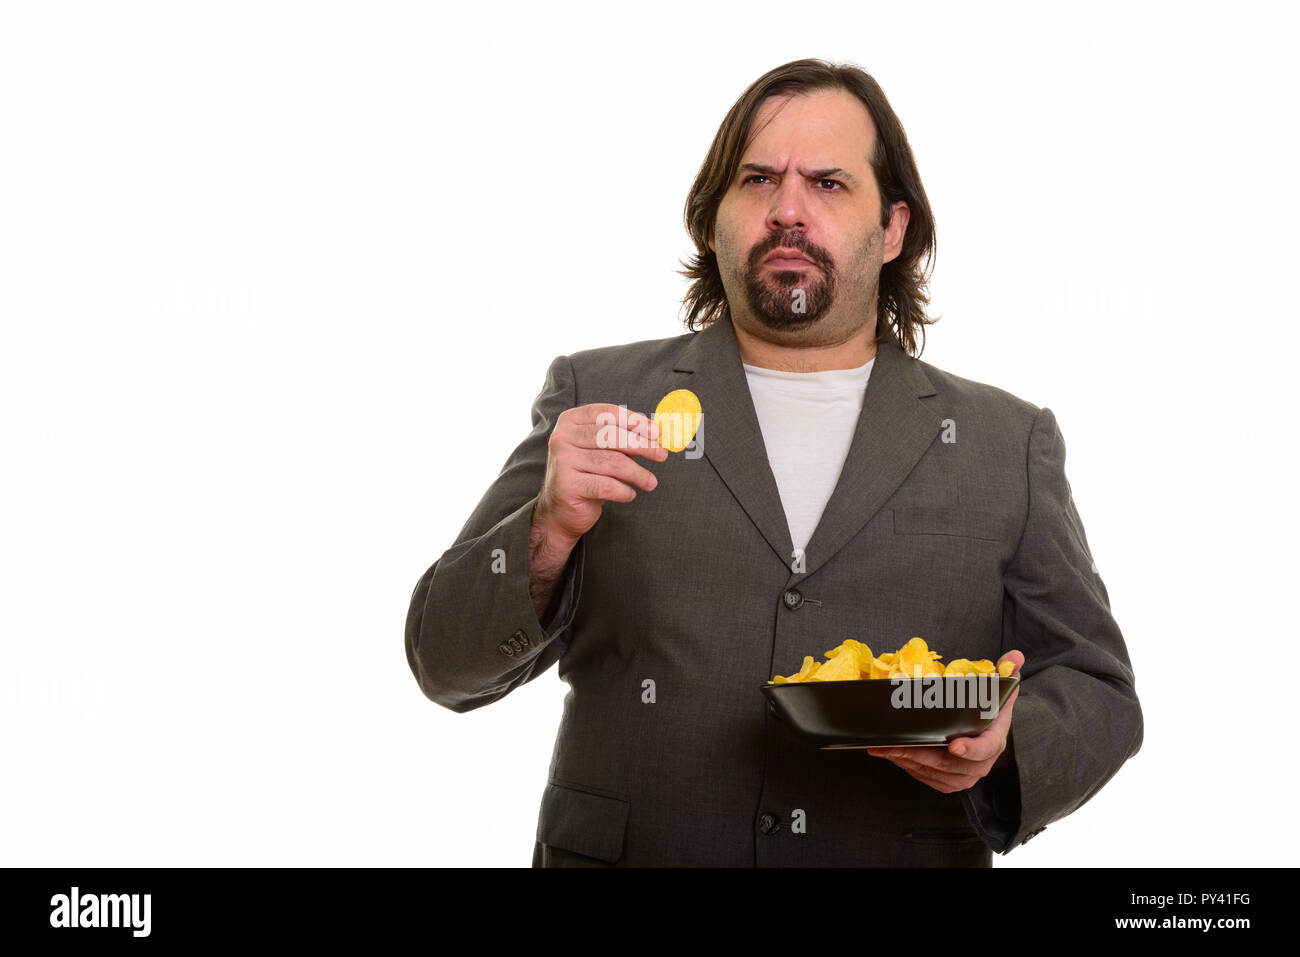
<point>966,760</point>
<point>588,462</point>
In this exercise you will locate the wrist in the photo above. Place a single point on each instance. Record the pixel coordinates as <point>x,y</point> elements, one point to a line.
<point>545,538</point>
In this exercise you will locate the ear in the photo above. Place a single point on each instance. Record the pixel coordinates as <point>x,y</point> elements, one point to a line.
<point>895,231</point>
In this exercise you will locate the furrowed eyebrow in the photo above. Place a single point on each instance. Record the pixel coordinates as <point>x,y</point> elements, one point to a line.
<point>830,173</point>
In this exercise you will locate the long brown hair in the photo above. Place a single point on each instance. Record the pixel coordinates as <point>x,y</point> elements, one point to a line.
<point>902,290</point>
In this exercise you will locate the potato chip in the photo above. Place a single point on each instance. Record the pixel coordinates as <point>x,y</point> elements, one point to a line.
<point>852,660</point>
<point>809,666</point>
<point>915,654</point>
<point>880,668</point>
<point>842,667</point>
<point>678,415</point>
<point>857,650</point>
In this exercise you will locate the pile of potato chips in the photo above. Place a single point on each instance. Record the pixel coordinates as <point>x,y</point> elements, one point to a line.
<point>853,661</point>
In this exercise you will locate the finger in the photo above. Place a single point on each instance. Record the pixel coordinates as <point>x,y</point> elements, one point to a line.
<point>940,780</point>
<point>985,746</point>
<point>643,424</point>
<point>607,436</point>
<point>616,465</point>
<point>606,412</point>
<point>990,742</point>
<point>936,778</point>
<point>596,488</point>
<point>935,759</point>
<point>1016,658</point>
<point>630,434</point>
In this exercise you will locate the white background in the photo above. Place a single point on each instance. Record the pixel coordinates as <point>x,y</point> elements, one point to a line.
<point>280,282</point>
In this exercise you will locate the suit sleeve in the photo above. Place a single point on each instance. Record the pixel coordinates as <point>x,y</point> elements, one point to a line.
<point>1077,718</point>
<point>472,632</point>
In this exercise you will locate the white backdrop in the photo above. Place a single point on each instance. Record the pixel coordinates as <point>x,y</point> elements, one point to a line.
<point>280,281</point>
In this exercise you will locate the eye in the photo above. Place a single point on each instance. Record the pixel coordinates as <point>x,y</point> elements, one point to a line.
<point>835,185</point>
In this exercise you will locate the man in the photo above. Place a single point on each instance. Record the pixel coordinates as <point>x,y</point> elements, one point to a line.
<point>838,487</point>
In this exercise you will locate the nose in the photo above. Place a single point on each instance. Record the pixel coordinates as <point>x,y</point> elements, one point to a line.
<point>788,209</point>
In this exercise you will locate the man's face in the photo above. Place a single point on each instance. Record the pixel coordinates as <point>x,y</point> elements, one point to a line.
<point>805,187</point>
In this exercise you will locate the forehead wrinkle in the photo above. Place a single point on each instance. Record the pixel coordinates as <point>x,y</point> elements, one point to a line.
<point>818,170</point>
<point>757,128</point>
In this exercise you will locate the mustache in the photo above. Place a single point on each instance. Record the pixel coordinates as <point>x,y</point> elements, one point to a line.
<point>814,254</point>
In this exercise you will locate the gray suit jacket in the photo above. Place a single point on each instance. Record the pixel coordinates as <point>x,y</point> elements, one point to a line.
<point>973,544</point>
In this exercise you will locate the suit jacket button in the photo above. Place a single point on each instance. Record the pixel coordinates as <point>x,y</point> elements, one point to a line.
<point>769,823</point>
<point>793,599</point>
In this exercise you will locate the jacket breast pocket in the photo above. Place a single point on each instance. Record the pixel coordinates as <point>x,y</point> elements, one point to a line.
<point>952,522</point>
<point>584,823</point>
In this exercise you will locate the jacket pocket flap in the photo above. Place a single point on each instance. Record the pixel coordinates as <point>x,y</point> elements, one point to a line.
<point>582,822</point>
<point>934,520</point>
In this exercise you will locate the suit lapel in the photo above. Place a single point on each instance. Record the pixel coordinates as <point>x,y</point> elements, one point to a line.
<point>729,432</point>
<point>894,429</point>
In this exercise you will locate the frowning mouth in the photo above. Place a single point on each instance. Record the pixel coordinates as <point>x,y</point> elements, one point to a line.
<point>787,259</point>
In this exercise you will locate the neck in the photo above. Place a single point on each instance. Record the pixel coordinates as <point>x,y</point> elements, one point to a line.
<point>855,351</point>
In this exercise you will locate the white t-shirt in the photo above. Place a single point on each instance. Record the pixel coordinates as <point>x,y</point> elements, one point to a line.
<point>807,420</point>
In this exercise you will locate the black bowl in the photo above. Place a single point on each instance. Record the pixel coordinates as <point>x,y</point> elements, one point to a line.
<point>909,712</point>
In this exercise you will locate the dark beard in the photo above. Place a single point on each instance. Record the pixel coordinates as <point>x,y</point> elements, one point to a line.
<point>771,294</point>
